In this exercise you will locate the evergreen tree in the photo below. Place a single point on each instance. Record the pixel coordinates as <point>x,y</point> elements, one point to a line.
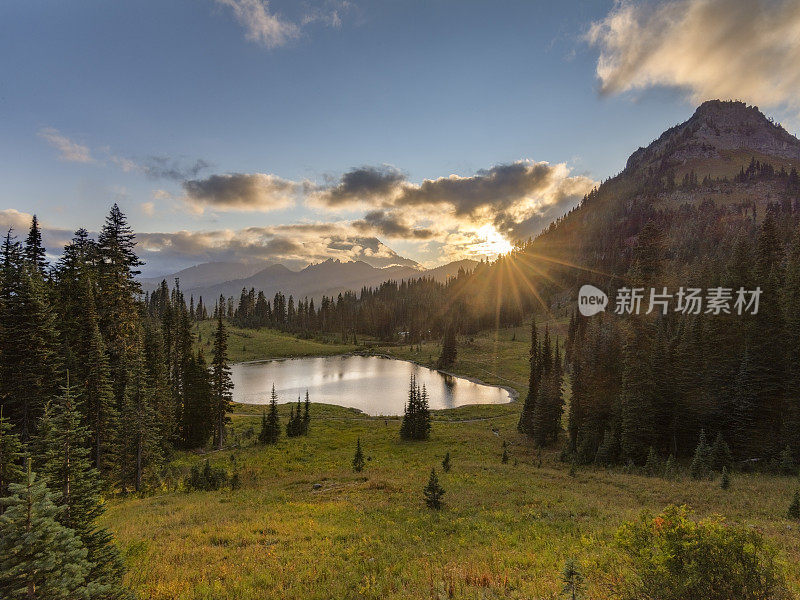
<point>446,463</point>
<point>39,557</point>
<point>11,457</point>
<point>653,465</point>
<point>416,423</point>
<point>701,463</point>
<point>433,492</point>
<point>270,424</point>
<point>94,381</point>
<point>29,349</point>
<point>34,250</point>
<point>525,424</point>
<point>65,467</point>
<point>720,456</point>
<point>670,469</point>
<point>141,449</point>
<point>448,356</point>
<point>358,458</point>
<point>725,482</point>
<point>221,384</point>
<point>786,462</point>
<point>572,578</point>
<point>306,415</point>
<point>794,507</point>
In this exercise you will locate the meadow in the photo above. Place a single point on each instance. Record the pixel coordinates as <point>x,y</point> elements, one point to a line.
<point>304,525</point>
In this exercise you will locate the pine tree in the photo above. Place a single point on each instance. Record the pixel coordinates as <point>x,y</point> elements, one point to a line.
<point>34,250</point>
<point>358,458</point>
<point>701,466</point>
<point>572,578</point>
<point>416,424</point>
<point>787,465</point>
<point>670,470</point>
<point>525,424</point>
<point>720,456</point>
<point>29,348</point>
<point>270,424</point>
<point>306,415</point>
<point>794,507</point>
<point>94,381</point>
<point>11,457</point>
<point>65,467</point>
<point>39,557</point>
<point>448,356</point>
<point>653,465</point>
<point>221,384</point>
<point>446,463</point>
<point>725,482</point>
<point>433,492</point>
<point>141,449</point>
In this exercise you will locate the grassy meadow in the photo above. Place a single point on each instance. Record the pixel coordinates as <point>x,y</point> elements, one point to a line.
<point>304,525</point>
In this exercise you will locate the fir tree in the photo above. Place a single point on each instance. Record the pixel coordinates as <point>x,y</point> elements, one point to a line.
<point>94,380</point>
<point>794,507</point>
<point>701,465</point>
<point>725,482</point>
<point>720,456</point>
<point>670,470</point>
<point>65,467</point>
<point>306,415</point>
<point>34,250</point>
<point>271,425</point>
<point>572,578</point>
<point>39,557</point>
<point>11,457</point>
<point>416,424</point>
<point>433,492</point>
<point>786,462</point>
<point>358,458</point>
<point>448,356</point>
<point>141,449</point>
<point>221,384</point>
<point>525,424</point>
<point>446,463</point>
<point>653,464</point>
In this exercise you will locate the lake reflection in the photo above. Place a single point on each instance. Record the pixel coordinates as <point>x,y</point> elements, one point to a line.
<point>375,385</point>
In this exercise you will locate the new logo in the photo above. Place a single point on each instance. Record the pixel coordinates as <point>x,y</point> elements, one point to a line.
<point>591,300</point>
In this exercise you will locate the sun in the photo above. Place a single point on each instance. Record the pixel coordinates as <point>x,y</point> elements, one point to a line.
<point>491,242</point>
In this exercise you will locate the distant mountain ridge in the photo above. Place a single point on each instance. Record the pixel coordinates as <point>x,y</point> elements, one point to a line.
<point>328,278</point>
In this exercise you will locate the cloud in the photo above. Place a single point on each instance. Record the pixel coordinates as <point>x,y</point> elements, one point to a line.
<point>391,225</point>
<point>360,186</point>
<point>294,245</point>
<point>54,239</point>
<point>518,199</point>
<point>148,208</point>
<point>241,192</point>
<point>165,167</point>
<point>68,150</point>
<point>743,49</point>
<point>261,25</point>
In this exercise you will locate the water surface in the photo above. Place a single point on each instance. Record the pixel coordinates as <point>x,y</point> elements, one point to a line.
<point>375,385</point>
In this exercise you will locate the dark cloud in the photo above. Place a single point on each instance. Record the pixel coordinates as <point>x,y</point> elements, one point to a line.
<point>498,187</point>
<point>164,167</point>
<point>241,192</point>
<point>390,225</point>
<point>364,184</point>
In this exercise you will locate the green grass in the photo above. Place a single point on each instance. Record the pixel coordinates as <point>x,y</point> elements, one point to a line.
<point>505,530</point>
<point>256,344</point>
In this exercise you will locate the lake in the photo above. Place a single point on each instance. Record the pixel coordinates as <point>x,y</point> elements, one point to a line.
<point>372,384</point>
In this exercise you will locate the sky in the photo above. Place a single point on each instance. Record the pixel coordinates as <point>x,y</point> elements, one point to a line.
<point>294,131</point>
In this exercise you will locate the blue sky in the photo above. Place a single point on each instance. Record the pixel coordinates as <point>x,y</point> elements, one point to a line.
<point>266,106</point>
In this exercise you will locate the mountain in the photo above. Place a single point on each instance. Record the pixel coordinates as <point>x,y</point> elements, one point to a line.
<point>328,278</point>
<point>205,274</point>
<point>719,138</point>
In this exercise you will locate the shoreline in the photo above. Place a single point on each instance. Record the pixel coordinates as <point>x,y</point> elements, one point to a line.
<point>513,394</point>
